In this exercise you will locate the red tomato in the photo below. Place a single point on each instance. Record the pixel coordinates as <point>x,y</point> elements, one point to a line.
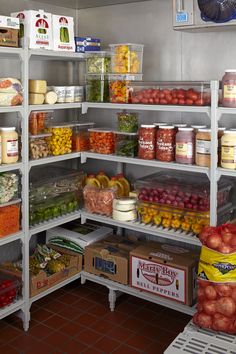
<point>226,249</point>
<point>180,96</point>
<point>151,100</point>
<point>181,101</point>
<point>226,236</point>
<point>209,307</point>
<point>199,307</point>
<point>163,101</point>
<point>175,101</point>
<point>144,100</point>
<point>168,98</point>
<point>194,97</point>
<point>203,283</point>
<point>199,102</point>
<point>189,102</point>
<point>161,95</point>
<point>233,241</point>
<point>210,292</point>
<point>166,92</point>
<point>157,100</point>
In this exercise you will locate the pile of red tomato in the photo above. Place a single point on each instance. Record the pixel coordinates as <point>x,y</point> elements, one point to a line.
<point>8,292</point>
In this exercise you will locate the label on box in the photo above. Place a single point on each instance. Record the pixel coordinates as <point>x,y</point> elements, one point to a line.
<point>158,278</point>
<point>12,148</point>
<point>104,265</point>
<point>63,33</point>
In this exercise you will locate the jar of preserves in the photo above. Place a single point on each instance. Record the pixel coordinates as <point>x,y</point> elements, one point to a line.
<point>203,148</point>
<point>159,124</point>
<point>229,88</point>
<point>220,134</point>
<point>178,126</point>
<point>184,150</point>
<point>165,143</point>
<point>9,138</point>
<point>197,127</point>
<point>228,149</point>
<point>146,142</point>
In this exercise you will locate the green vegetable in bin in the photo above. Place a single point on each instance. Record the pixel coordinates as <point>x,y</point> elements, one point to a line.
<point>97,90</point>
<point>127,147</point>
<point>128,122</point>
<point>98,65</point>
<point>64,35</point>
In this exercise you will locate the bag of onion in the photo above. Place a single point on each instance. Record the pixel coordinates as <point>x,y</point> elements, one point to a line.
<point>216,308</point>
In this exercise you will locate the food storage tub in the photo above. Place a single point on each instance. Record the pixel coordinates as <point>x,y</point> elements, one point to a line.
<point>172,218</point>
<point>120,87</point>
<point>99,200</point>
<point>60,141</point>
<point>39,146</point>
<point>38,121</point>
<point>9,289</point>
<point>97,88</point>
<point>185,93</point>
<point>127,58</point>
<point>9,187</point>
<point>98,62</point>
<point>80,136</point>
<point>102,140</point>
<point>181,190</point>
<point>126,144</point>
<point>79,94</point>
<point>9,218</point>
<point>127,122</point>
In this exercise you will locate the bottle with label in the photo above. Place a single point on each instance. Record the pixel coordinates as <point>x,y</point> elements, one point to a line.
<point>184,149</point>
<point>165,143</point>
<point>228,149</point>
<point>147,140</point>
<point>229,88</point>
<point>203,148</point>
<point>10,150</point>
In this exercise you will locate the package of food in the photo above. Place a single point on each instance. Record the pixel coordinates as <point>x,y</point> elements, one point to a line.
<point>9,218</point>
<point>98,62</point>
<point>39,146</point>
<point>63,33</point>
<point>99,200</point>
<point>127,122</point>
<point>87,44</point>
<point>79,93</point>
<point>102,140</point>
<point>38,121</point>
<point>10,99</point>
<point>60,141</point>
<point>120,86</point>
<point>127,58</point>
<point>9,289</point>
<point>9,187</point>
<point>126,144</point>
<point>10,85</point>
<point>97,88</point>
<point>80,137</point>
<point>9,29</point>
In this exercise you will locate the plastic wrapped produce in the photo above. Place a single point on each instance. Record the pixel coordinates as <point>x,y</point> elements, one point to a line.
<point>10,85</point>
<point>8,187</point>
<point>9,289</point>
<point>10,99</point>
<point>98,200</point>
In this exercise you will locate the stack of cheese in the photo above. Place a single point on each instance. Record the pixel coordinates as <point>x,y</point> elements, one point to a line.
<point>38,93</point>
<point>124,209</point>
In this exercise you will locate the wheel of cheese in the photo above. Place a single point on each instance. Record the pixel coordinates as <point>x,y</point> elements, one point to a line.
<point>124,215</point>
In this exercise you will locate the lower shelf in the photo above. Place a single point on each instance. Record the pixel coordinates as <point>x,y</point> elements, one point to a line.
<point>16,306</point>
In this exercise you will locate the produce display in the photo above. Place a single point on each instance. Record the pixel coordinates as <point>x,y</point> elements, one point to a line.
<point>10,92</point>
<point>38,121</point>
<point>8,187</point>
<point>126,144</point>
<point>126,58</point>
<point>127,122</point>
<point>60,141</point>
<point>98,62</point>
<point>97,88</point>
<point>39,146</point>
<point>9,219</point>
<point>80,137</point>
<point>9,289</point>
<point>102,141</point>
<point>99,200</point>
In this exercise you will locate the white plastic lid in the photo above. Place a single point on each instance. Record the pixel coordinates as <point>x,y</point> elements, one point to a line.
<point>230,71</point>
<point>198,126</point>
<point>128,200</point>
<point>40,136</point>
<point>148,126</point>
<point>83,124</point>
<point>118,44</point>
<point>180,125</point>
<point>124,77</point>
<point>125,133</point>
<point>186,129</point>
<point>204,130</point>
<point>167,127</point>
<point>232,128</point>
<point>230,131</point>
<point>221,128</point>
<point>8,129</point>
<point>160,124</point>
<point>101,130</point>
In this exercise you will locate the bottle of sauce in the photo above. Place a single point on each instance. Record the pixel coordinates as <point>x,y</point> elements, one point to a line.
<point>165,143</point>
<point>229,88</point>
<point>10,149</point>
<point>184,148</point>
<point>228,149</point>
<point>146,142</point>
<point>203,148</point>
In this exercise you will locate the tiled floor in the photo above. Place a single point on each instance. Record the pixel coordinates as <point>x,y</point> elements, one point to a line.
<point>77,319</point>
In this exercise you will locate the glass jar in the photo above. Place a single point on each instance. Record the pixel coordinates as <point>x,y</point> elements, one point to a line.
<point>80,136</point>
<point>229,88</point>
<point>228,149</point>
<point>127,122</point>
<point>197,127</point>
<point>147,140</point>
<point>159,124</point>
<point>10,149</point>
<point>220,134</point>
<point>184,150</point>
<point>165,143</point>
<point>203,148</point>
<point>177,126</point>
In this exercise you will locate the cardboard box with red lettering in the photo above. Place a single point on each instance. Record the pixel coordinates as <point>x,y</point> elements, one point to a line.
<point>165,270</point>
<point>63,33</point>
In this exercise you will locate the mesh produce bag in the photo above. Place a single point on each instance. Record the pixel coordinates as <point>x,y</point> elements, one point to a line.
<point>217,10</point>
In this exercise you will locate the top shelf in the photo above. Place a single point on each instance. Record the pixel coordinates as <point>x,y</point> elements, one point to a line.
<point>8,52</point>
<point>40,54</point>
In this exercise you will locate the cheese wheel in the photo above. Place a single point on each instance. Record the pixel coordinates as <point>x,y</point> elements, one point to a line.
<point>124,215</point>
<point>36,98</point>
<point>123,207</point>
<point>133,194</point>
<point>37,86</point>
<point>50,97</point>
<point>124,204</point>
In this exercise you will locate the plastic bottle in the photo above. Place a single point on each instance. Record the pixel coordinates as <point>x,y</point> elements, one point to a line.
<point>125,184</point>
<point>115,183</point>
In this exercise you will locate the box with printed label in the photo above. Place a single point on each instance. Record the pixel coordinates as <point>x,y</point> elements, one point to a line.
<point>87,44</point>
<point>165,270</point>
<point>9,28</point>
<point>63,33</point>
<point>35,29</point>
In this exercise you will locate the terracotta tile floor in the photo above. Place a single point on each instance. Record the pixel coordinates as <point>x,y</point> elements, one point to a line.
<point>77,319</point>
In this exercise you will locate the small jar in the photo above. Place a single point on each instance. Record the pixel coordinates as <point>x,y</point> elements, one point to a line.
<point>203,148</point>
<point>9,137</point>
<point>159,124</point>
<point>228,150</point>
<point>229,88</point>
<point>197,127</point>
<point>165,143</point>
<point>177,126</point>
<point>184,150</point>
<point>220,134</point>
<point>146,142</point>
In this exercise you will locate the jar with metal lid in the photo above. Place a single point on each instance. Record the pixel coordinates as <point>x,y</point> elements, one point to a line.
<point>228,149</point>
<point>197,127</point>
<point>229,88</point>
<point>165,143</point>
<point>146,142</point>
<point>10,149</point>
<point>220,134</point>
<point>177,126</point>
<point>203,148</point>
<point>184,150</point>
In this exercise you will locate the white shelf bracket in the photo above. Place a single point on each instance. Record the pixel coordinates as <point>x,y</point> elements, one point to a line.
<point>83,157</point>
<point>82,278</point>
<point>84,108</point>
<point>83,219</point>
<point>112,298</point>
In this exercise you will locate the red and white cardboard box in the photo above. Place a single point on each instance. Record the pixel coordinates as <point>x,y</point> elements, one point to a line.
<point>165,270</point>
<point>63,33</point>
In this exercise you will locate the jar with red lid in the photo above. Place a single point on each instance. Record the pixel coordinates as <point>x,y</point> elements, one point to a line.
<point>184,151</point>
<point>165,143</point>
<point>146,142</point>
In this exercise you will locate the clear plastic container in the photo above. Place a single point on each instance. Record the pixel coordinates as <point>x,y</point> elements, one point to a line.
<point>9,289</point>
<point>38,121</point>
<point>97,88</point>
<point>60,141</point>
<point>127,122</point>
<point>9,218</point>
<point>102,140</point>
<point>120,87</point>
<point>9,187</point>
<point>182,190</point>
<point>79,93</point>
<point>126,144</point>
<point>39,146</point>
<point>127,58</point>
<point>80,136</point>
<point>99,200</point>
<point>98,62</point>
<point>185,93</point>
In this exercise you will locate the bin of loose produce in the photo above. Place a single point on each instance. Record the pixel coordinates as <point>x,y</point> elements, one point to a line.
<point>9,187</point>
<point>9,289</point>
<point>9,218</point>
<point>126,58</point>
<point>38,121</point>
<point>98,62</point>
<point>126,144</point>
<point>183,93</point>
<point>127,122</point>
<point>97,88</point>
<point>80,137</point>
<point>102,140</point>
<point>181,190</point>
<point>60,141</point>
<point>120,86</point>
<point>39,146</point>
<point>99,200</point>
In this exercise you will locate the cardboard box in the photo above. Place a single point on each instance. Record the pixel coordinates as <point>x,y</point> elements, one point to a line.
<point>63,33</point>
<point>9,29</point>
<point>165,270</point>
<point>35,29</point>
<point>42,282</point>
<point>87,44</point>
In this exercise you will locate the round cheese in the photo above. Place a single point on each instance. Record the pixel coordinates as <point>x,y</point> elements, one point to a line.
<point>124,203</point>
<point>124,215</point>
<point>50,97</point>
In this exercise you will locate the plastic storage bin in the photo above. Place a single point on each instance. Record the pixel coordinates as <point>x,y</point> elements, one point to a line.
<point>97,88</point>
<point>127,122</point>
<point>126,144</point>
<point>9,218</point>
<point>39,146</point>
<point>9,187</point>
<point>127,58</point>
<point>60,141</point>
<point>80,136</point>
<point>102,140</point>
<point>98,62</point>
<point>120,87</point>
<point>183,93</point>
<point>79,94</point>
<point>38,121</point>
<point>9,289</point>
<point>99,200</point>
